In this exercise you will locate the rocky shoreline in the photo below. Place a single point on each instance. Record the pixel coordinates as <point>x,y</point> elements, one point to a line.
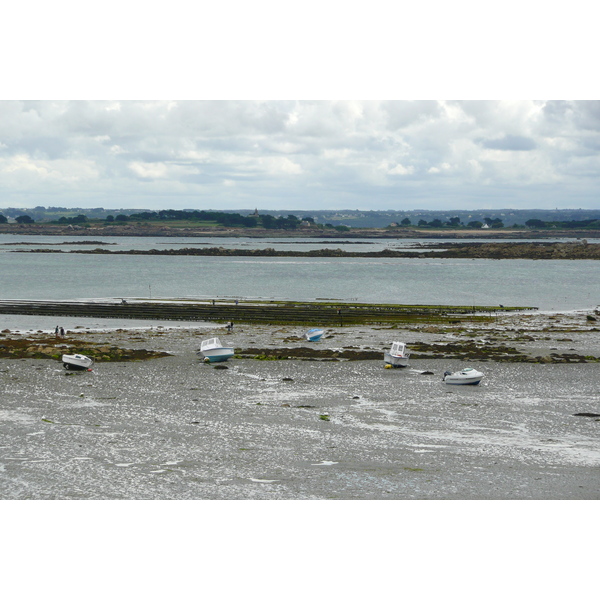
<point>507,338</point>
<point>43,346</point>
<point>537,250</point>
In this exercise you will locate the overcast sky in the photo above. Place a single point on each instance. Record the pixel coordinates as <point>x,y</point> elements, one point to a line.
<point>200,152</point>
<point>300,154</point>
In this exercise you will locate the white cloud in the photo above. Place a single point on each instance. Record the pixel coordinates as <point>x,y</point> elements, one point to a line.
<point>280,165</point>
<point>444,167</point>
<point>149,170</point>
<point>397,169</point>
<point>28,171</point>
<point>159,170</point>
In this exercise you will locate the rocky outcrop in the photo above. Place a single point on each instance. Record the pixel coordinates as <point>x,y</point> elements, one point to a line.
<point>54,348</point>
<point>490,250</point>
<point>454,351</point>
<point>533,250</point>
<point>303,353</point>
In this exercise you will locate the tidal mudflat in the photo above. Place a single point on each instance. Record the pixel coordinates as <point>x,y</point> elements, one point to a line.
<point>290,428</point>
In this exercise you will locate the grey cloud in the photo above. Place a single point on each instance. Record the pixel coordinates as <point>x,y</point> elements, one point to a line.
<point>51,148</point>
<point>579,114</point>
<point>220,118</point>
<point>510,142</point>
<point>483,113</point>
<point>587,114</point>
<point>557,110</point>
<point>400,114</point>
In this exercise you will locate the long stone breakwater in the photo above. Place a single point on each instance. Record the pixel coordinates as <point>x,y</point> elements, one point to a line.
<point>274,312</point>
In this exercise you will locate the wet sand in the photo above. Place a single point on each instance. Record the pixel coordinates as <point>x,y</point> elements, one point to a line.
<point>175,428</point>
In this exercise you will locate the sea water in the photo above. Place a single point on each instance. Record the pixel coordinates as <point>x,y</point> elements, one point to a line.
<point>554,285</point>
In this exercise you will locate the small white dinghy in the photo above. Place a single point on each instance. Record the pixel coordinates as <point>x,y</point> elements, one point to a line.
<point>397,356</point>
<point>213,351</point>
<point>468,376</point>
<point>314,335</point>
<point>77,362</point>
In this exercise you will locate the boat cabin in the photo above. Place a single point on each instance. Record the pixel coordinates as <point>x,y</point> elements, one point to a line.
<point>211,343</point>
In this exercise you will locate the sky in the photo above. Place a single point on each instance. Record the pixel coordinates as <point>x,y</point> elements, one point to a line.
<point>229,109</point>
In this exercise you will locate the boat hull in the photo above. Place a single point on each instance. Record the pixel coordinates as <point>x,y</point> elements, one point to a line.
<point>217,355</point>
<point>76,362</point>
<point>465,377</point>
<point>472,381</point>
<point>395,361</point>
<point>314,335</point>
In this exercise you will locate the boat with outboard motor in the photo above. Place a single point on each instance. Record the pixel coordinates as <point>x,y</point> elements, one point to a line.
<point>467,376</point>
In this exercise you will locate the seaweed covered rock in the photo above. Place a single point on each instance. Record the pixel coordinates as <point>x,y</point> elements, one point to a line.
<point>54,348</point>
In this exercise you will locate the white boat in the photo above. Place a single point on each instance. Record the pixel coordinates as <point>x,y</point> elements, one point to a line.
<point>213,351</point>
<point>314,335</point>
<point>77,362</point>
<point>397,356</point>
<point>468,376</point>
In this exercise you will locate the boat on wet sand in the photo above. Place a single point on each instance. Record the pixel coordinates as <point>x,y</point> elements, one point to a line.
<point>314,335</point>
<point>467,376</point>
<point>77,362</point>
<point>397,356</point>
<point>213,351</point>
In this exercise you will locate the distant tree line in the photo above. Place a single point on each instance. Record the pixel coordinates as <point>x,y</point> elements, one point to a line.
<point>19,219</point>
<point>226,219</point>
<point>77,220</point>
<point>455,223</point>
<point>586,224</point>
<point>496,223</point>
<point>221,218</point>
<point>278,220</point>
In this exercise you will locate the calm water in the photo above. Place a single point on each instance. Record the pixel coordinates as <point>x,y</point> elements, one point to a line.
<point>549,285</point>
